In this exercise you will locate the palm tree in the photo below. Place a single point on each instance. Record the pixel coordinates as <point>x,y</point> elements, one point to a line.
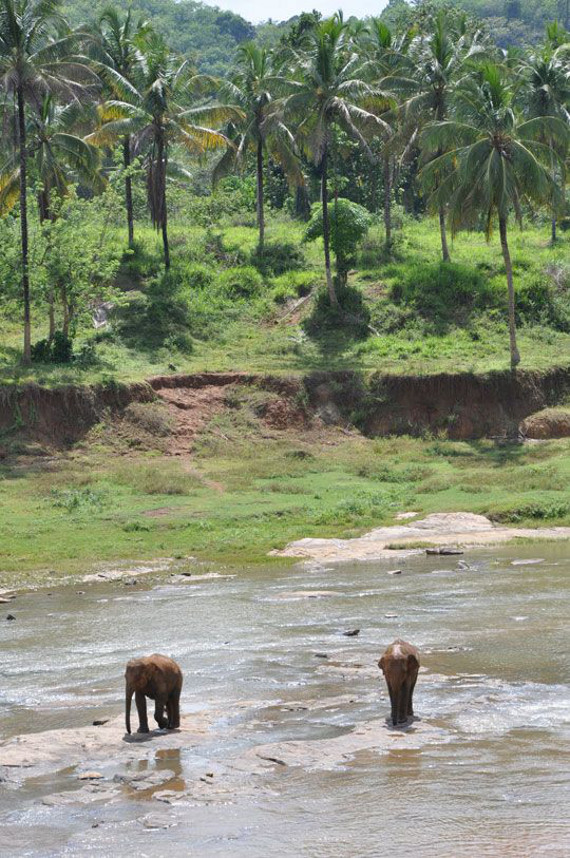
<point>546,92</point>
<point>262,127</point>
<point>493,159</point>
<point>327,91</point>
<point>391,67</point>
<point>60,155</point>
<point>115,55</point>
<point>33,63</point>
<point>156,119</point>
<point>442,58</point>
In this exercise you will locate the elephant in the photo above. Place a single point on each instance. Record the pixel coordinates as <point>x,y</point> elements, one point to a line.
<point>160,678</point>
<point>400,664</point>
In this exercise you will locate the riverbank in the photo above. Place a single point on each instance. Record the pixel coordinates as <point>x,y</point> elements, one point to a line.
<point>227,473</point>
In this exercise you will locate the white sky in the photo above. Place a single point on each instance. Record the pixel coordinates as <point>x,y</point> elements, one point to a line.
<point>281,10</point>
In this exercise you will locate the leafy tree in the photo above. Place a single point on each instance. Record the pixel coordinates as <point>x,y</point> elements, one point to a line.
<point>328,91</point>
<point>349,223</point>
<point>493,160</point>
<point>34,62</point>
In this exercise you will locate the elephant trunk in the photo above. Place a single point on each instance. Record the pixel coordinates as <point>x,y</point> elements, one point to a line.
<point>128,698</point>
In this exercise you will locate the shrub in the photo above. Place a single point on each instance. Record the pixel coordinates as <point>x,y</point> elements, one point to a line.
<point>446,292</point>
<point>151,417</point>
<point>277,258</point>
<point>199,276</point>
<point>57,350</point>
<point>241,282</point>
<point>537,302</point>
<point>294,284</point>
<point>352,314</point>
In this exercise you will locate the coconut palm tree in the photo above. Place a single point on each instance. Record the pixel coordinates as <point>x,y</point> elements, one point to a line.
<point>156,118</point>
<point>114,51</point>
<point>262,127</point>
<point>327,92</point>
<point>391,67</point>
<point>34,61</point>
<point>546,92</point>
<point>442,57</point>
<point>494,159</point>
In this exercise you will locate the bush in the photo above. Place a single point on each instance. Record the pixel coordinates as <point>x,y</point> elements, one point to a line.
<point>277,258</point>
<point>352,314</point>
<point>199,276</point>
<point>294,284</point>
<point>57,350</point>
<point>537,302</point>
<point>446,292</point>
<point>241,282</point>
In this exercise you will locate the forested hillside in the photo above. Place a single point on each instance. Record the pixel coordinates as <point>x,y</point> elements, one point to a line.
<point>211,35</point>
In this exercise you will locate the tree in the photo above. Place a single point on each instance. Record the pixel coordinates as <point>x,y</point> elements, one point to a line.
<point>442,58</point>
<point>546,92</point>
<point>493,160</point>
<point>262,127</point>
<point>59,157</point>
<point>34,62</point>
<point>156,119</point>
<point>349,223</point>
<point>115,54</point>
<point>327,91</point>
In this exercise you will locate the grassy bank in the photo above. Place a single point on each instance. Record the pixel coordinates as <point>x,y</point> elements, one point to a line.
<point>248,489</point>
<point>265,332</point>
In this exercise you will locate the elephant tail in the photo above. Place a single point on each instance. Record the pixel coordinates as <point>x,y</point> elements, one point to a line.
<point>129,691</point>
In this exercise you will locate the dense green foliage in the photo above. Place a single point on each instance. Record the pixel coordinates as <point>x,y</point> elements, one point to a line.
<point>345,124</point>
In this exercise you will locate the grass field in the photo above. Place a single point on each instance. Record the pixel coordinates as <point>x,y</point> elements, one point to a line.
<point>265,336</point>
<point>246,491</point>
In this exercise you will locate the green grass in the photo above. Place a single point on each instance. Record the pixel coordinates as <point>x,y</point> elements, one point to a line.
<point>261,336</point>
<point>247,494</point>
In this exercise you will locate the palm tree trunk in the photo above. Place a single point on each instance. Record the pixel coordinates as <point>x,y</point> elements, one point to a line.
<point>443,232</point>
<point>515,356</point>
<point>260,211</point>
<point>66,313</point>
<point>128,188</point>
<point>163,209</point>
<point>27,355</point>
<point>326,228</point>
<point>387,202</point>
<point>553,230</point>
<point>45,215</point>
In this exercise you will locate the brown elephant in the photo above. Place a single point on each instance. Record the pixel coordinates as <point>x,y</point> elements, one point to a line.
<point>400,664</point>
<point>160,678</point>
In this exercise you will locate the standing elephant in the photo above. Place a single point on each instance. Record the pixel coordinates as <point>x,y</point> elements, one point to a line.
<point>400,664</point>
<point>160,678</point>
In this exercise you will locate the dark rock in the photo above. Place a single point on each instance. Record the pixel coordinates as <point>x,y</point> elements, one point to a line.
<point>10,617</point>
<point>321,655</point>
<point>443,551</point>
<point>100,721</point>
<point>352,633</point>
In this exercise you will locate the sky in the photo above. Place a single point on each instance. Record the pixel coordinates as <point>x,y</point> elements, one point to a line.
<point>281,10</point>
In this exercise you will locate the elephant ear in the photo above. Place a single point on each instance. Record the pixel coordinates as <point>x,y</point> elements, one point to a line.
<point>381,664</point>
<point>413,662</point>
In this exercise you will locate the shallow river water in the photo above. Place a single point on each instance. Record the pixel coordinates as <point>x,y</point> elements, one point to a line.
<point>490,778</point>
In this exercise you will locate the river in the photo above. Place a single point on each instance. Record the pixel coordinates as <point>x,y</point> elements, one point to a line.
<point>266,663</point>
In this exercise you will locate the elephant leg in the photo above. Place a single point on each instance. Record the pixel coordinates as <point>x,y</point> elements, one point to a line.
<point>159,705</point>
<point>403,697</point>
<point>173,710</point>
<point>394,704</point>
<point>140,701</point>
<point>410,695</point>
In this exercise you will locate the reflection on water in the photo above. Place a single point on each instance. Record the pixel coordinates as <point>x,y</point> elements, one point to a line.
<point>495,684</point>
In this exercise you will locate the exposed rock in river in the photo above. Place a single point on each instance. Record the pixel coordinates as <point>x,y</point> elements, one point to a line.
<point>443,530</point>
